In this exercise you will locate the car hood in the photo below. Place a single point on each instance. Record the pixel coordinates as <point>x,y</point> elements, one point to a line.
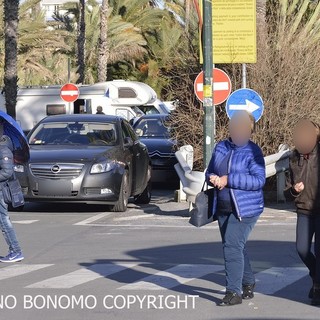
<point>70,153</point>
<point>160,145</point>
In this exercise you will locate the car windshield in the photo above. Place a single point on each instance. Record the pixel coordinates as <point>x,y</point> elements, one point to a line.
<point>80,133</point>
<point>152,128</point>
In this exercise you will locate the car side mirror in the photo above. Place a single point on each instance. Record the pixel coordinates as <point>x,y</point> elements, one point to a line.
<point>128,142</point>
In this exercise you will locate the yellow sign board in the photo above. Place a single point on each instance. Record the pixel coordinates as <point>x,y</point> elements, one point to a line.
<point>234,31</point>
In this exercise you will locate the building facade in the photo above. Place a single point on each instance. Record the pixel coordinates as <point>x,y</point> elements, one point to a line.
<point>52,7</point>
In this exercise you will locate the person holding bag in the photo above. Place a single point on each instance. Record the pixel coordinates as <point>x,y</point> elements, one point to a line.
<point>6,172</point>
<point>237,170</point>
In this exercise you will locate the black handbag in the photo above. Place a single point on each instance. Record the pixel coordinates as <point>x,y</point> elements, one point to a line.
<point>202,212</point>
<point>12,192</point>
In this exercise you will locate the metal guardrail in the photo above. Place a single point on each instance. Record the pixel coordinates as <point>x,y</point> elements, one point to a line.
<point>278,162</point>
<point>191,182</point>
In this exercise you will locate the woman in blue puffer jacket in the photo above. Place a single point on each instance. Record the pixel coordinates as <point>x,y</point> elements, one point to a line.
<point>237,170</point>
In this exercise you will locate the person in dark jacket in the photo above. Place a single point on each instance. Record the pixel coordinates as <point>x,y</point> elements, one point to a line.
<point>237,170</point>
<point>99,110</point>
<point>6,172</point>
<point>303,186</point>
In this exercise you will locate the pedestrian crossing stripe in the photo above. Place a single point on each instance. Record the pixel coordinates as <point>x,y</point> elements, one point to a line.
<point>274,279</point>
<point>173,277</point>
<point>24,221</point>
<point>269,281</point>
<point>82,276</point>
<point>20,269</point>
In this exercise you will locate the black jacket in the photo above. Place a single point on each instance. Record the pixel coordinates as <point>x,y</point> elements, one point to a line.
<point>304,169</point>
<point>6,159</point>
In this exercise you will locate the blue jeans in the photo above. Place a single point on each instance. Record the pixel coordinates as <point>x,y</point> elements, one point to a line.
<point>234,234</point>
<point>307,227</point>
<point>7,228</point>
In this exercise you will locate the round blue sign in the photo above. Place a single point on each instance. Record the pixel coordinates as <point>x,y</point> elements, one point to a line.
<point>245,99</point>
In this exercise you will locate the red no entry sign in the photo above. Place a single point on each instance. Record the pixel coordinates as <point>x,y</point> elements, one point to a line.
<point>69,92</point>
<point>221,86</point>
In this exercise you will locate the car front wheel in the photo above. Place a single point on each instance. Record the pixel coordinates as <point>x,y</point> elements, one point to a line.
<point>124,195</point>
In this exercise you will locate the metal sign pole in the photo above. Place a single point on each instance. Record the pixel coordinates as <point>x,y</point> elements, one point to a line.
<point>69,73</point>
<point>69,70</point>
<point>244,75</point>
<point>209,119</point>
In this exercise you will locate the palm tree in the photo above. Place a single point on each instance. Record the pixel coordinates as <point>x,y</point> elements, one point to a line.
<point>103,42</point>
<point>11,20</point>
<point>42,51</point>
<point>125,41</point>
<point>143,14</point>
<point>81,42</point>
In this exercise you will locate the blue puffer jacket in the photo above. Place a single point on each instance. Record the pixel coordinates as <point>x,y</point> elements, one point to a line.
<point>246,176</point>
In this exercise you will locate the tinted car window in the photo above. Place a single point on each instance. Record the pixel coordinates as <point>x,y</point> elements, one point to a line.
<point>81,133</point>
<point>152,128</point>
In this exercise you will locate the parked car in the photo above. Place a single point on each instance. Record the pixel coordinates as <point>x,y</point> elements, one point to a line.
<point>153,131</point>
<point>94,159</point>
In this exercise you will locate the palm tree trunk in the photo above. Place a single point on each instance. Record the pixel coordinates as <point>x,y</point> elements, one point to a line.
<point>103,43</point>
<point>261,13</point>
<point>81,43</point>
<point>187,18</point>
<point>11,20</point>
<point>262,28</point>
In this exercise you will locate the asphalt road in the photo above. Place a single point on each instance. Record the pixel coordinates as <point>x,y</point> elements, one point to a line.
<point>148,263</point>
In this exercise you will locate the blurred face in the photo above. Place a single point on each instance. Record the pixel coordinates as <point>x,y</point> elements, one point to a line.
<point>240,128</point>
<point>305,136</point>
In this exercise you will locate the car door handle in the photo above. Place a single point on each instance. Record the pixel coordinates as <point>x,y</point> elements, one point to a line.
<point>138,154</point>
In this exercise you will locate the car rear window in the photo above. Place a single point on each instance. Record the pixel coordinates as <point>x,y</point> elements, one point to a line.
<point>68,133</point>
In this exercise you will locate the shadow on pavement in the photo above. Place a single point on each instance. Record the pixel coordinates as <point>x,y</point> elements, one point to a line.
<point>262,253</point>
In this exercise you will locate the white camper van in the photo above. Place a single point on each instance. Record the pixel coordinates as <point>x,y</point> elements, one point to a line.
<point>118,97</point>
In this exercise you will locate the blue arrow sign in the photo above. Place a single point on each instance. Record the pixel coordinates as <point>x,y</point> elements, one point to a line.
<point>245,99</point>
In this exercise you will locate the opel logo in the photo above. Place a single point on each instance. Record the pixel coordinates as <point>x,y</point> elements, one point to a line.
<point>55,168</point>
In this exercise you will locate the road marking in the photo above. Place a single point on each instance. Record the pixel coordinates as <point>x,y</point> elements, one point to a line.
<point>186,226</point>
<point>173,277</point>
<point>268,281</point>
<point>263,221</point>
<point>151,215</point>
<point>92,219</point>
<point>20,269</point>
<point>141,216</point>
<point>274,279</point>
<point>82,276</point>
<point>24,221</point>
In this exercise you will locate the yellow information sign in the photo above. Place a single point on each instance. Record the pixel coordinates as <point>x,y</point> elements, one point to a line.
<point>234,31</point>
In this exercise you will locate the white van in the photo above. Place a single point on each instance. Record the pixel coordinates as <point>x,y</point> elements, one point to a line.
<point>118,97</point>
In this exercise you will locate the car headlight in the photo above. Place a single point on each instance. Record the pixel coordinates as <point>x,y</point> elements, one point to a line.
<point>102,167</point>
<point>18,168</point>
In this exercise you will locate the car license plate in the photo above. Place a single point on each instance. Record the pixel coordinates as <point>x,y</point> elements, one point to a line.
<point>55,188</point>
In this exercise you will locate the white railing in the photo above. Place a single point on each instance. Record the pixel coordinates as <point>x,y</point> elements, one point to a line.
<point>191,182</point>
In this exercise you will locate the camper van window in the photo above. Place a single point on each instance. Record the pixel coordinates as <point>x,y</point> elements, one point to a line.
<point>125,113</point>
<point>53,109</point>
<point>127,93</point>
